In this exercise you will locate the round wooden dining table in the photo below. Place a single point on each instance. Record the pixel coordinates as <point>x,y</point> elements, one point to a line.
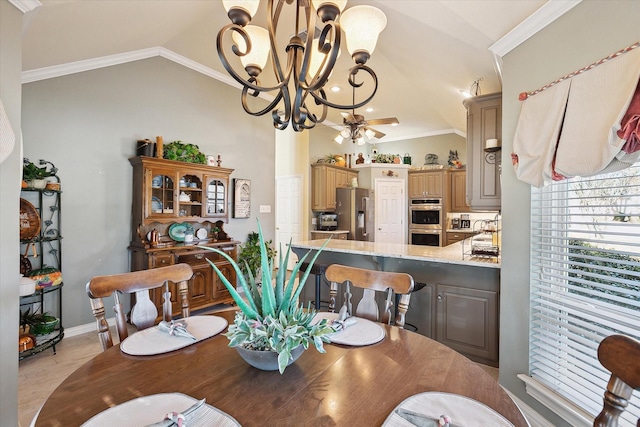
<point>346,386</point>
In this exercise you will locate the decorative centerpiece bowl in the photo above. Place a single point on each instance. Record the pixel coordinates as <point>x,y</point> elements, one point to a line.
<point>270,319</point>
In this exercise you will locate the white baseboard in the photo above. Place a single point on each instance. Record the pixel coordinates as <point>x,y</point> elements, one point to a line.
<point>83,329</point>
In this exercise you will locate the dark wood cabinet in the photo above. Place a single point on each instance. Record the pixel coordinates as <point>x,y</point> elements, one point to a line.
<point>168,193</point>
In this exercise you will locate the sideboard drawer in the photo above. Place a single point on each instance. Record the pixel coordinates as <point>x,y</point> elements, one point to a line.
<point>200,257</point>
<point>162,259</point>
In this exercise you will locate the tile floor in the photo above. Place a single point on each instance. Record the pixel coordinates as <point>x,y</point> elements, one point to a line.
<point>39,375</point>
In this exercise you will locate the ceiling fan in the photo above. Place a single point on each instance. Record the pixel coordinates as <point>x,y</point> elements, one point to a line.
<point>359,130</point>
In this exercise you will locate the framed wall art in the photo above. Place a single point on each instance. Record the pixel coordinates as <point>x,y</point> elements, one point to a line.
<point>241,198</point>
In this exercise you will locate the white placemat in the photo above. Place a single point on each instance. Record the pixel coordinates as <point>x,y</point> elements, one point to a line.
<point>363,332</point>
<point>152,409</point>
<point>462,410</point>
<point>152,340</point>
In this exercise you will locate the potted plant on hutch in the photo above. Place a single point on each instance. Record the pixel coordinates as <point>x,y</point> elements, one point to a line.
<point>271,330</point>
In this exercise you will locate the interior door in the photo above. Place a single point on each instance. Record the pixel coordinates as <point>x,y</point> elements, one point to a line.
<point>390,211</point>
<point>288,210</point>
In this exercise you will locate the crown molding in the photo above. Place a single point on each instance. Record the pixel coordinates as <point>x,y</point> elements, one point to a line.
<point>53,71</point>
<point>539,19</point>
<point>425,135</point>
<point>25,6</point>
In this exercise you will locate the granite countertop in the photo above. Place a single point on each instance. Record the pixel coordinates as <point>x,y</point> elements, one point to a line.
<point>331,232</point>
<point>452,254</point>
<point>462,230</point>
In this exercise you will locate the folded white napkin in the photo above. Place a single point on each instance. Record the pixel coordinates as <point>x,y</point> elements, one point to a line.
<point>177,328</point>
<point>357,331</point>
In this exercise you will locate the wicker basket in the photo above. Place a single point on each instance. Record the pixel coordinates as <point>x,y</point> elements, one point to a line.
<point>29,220</point>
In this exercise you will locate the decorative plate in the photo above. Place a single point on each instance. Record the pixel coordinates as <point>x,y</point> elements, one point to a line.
<point>156,182</point>
<point>201,233</point>
<point>178,230</point>
<point>29,220</point>
<point>156,205</point>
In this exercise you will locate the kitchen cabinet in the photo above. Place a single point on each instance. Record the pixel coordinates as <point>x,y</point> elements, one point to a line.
<point>467,321</point>
<point>426,184</point>
<point>457,191</point>
<point>457,236</point>
<point>422,307</point>
<point>325,178</point>
<point>335,235</point>
<point>170,195</point>
<point>484,121</point>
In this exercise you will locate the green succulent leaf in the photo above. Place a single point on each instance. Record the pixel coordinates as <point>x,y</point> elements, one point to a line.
<point>270,317</point>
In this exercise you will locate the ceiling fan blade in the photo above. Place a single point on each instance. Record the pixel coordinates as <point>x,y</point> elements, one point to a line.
<point>387,121</point>
<point>376,133</point>
<point>348,117</point>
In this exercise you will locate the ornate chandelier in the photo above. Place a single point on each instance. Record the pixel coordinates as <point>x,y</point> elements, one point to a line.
<point>310,59</point>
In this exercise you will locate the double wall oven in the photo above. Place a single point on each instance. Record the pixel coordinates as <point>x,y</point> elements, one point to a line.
<point>425,222</point>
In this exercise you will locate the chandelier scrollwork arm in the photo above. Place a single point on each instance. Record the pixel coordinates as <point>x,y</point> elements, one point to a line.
<point>310,62</point>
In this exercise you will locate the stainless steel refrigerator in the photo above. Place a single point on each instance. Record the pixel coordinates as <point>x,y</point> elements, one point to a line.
<point>354,207</point>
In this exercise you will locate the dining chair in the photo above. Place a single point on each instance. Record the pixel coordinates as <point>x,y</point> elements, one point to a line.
<point>144,313</point>
<point>621,356</point>
<point>372,281</point>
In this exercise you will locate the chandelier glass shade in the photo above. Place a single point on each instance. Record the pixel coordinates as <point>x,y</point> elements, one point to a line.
<point>302,68</point>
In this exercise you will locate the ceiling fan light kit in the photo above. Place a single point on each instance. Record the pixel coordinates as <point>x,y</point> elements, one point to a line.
<point>310,59</point>
<point>358,130</point>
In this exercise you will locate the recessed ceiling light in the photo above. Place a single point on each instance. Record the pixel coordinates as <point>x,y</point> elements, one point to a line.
<point>395,124</point>
<point>335,89</point>
<point>370,110</point>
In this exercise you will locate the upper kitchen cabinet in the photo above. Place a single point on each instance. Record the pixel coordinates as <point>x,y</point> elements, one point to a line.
<point>484,121</point>
<point>426,184</point>
<point>166,191</point>
<point>325,178</point>
<point>457,191</point>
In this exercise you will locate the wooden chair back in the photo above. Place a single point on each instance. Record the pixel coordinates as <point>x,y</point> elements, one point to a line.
<point>372,281</point>
<point>144,313</point>
<point>621,356</point>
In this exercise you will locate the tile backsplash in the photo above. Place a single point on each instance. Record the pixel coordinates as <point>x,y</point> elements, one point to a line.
<point>473,217</point>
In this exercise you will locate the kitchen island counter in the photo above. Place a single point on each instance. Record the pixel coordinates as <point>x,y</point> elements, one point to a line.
<point>455,300</point>
<point>451,254</point>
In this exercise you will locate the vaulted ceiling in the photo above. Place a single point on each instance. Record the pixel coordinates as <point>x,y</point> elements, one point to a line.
<point>429,51</point>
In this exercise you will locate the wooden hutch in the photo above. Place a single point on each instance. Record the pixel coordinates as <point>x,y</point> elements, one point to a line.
<point>170,200</point>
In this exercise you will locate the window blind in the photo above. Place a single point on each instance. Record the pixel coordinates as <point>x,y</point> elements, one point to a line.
<point>585,281</point>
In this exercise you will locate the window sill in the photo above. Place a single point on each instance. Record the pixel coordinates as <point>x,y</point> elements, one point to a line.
<point>569,412</point>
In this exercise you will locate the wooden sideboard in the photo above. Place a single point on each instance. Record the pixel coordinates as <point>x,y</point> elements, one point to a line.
<point>205,288</point>
<point>168,198</point>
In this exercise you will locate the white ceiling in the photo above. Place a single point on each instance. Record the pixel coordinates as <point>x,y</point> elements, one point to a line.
<point>429,51</point>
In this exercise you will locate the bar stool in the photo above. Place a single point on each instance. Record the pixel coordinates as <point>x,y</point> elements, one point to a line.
<point>317,270</point>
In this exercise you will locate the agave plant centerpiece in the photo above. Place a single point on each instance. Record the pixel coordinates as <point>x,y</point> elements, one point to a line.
<point>270,318</point>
